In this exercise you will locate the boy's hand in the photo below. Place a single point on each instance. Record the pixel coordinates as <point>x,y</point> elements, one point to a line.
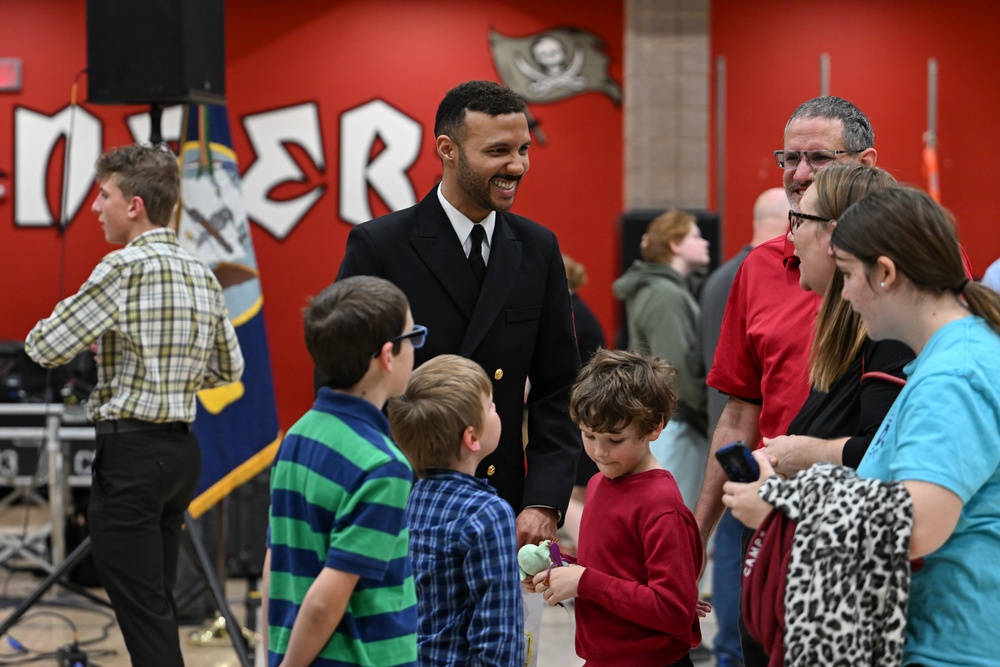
<point>559,584</point>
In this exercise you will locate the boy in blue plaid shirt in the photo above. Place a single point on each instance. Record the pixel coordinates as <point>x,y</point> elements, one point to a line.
<point>463,542</point>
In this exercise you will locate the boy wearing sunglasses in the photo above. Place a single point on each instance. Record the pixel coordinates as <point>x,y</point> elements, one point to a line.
<point>337,579</point>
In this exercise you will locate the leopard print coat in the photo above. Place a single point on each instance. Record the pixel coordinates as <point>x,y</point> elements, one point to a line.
<point>848,577</point>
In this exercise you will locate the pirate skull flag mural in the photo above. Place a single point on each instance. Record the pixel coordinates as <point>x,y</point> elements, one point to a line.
<point>553,65</point>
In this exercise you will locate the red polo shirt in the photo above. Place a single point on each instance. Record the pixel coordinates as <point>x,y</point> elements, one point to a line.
<point>767,332</point>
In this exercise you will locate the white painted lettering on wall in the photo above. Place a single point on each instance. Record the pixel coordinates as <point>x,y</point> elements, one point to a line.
<point>269,133</point>
<point>36,137</point>
<point>170,124</point>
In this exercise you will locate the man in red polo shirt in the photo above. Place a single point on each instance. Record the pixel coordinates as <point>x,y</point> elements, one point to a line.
<point>762,358</point>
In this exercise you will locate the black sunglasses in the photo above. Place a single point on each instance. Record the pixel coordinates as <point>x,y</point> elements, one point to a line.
<point>417,336</point>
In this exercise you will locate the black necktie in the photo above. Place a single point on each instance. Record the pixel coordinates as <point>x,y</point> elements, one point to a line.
<point>476,253</point>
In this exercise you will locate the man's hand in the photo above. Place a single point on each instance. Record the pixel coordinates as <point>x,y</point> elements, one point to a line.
<point>790,454</point>
<point>535,524</point>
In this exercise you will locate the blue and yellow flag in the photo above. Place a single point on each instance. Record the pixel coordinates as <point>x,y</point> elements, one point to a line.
<point>237,425</point>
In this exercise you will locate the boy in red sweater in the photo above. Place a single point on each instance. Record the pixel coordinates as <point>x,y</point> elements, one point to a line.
<point>636,577</point>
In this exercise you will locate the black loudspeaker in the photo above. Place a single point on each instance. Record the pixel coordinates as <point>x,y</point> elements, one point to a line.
<point>633,224</point>
<point>156,51</point>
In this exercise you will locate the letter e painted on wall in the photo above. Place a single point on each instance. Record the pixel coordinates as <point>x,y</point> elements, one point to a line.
<point>268,133</point>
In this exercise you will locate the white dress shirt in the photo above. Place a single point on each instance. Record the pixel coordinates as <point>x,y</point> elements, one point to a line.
<point>463,226</point>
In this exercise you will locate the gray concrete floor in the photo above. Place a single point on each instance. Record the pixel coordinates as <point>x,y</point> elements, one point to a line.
<point>556,646</point>
<point>50,624</point>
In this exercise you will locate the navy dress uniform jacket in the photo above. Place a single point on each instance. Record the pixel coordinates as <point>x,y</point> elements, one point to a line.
<point>519,325</point>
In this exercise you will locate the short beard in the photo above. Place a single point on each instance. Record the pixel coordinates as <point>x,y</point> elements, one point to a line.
<point>470,182</point>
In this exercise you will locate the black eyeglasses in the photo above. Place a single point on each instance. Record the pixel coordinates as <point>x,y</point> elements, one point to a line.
<point>417,336</point>
<point>795,220</point>
<point>815,159</point>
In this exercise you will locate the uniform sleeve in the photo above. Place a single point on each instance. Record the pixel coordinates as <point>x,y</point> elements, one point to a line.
<point>667,601</point>
<point>79,320</point>
<point>553,440</point>
<point>496,629</point>
<point>360,257</point>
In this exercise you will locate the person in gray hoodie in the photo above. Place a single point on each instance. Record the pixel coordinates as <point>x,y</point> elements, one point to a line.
<point>663,316</point>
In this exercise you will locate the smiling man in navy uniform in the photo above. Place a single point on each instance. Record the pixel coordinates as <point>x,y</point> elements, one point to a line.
<point>490,286</point>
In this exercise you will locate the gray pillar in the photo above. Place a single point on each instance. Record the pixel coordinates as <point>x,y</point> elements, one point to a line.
<point>666,90</point>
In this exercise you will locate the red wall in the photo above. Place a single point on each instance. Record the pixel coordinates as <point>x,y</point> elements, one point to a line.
<point>342,54</point>
<point>337,55</point>
<point>878,60</point>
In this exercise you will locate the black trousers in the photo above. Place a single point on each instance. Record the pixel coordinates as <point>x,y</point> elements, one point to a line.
<point>143,482</point>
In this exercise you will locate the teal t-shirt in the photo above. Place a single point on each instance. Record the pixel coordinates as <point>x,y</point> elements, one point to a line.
<point>944,428</point>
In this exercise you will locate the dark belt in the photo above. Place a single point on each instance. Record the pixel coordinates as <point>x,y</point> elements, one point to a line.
<point>109,426</point>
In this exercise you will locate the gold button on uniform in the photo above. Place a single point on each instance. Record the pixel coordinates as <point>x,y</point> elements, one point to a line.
<point>491,471</point>
<point>497,374</point>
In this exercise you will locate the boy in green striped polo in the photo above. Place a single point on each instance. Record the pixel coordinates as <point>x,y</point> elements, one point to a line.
<point>338,582</point>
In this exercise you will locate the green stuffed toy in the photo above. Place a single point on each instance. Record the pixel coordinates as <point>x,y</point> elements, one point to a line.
<point>533,558</point>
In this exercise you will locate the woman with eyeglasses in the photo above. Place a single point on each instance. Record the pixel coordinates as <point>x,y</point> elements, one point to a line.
<point>903,274</point>
<point>854,379</point>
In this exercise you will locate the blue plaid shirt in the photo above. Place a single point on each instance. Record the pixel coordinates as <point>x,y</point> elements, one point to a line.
<point>463,544</point>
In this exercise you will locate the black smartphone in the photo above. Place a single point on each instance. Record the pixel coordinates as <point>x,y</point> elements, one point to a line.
<point>738,462</point>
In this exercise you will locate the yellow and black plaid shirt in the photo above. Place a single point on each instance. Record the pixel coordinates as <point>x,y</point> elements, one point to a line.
<point>163,332</point>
